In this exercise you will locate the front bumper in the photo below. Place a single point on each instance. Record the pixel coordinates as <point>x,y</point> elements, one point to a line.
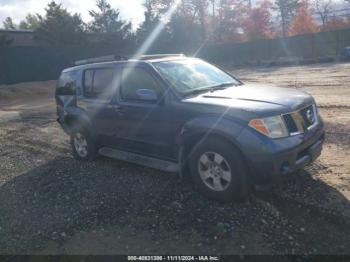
<point>270,160</point>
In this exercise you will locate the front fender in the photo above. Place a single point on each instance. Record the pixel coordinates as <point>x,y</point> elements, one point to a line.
<point>209,125</point>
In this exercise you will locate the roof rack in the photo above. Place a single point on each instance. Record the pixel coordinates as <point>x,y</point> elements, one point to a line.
<point>111,58</point>
<point>108,58</point>
<point>158,56</point>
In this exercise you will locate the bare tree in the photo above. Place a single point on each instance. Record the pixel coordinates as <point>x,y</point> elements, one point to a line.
<point>30,22</point>
<point>286,10</point>
<point>213,3</point>
<point>201,8</point>
<point>9,24</point>
<point>324,10</point>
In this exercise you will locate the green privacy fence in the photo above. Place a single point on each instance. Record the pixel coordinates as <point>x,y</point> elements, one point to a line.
<point>38,63</point>
<point>23,64</point>
<point>304,47</point>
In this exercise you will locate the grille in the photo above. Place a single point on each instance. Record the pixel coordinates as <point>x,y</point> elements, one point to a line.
<point>291,126</point>
<point>301,120</point>
<point>308,115</point>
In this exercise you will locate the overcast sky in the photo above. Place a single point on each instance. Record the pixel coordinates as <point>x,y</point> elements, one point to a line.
<point>17,9</point>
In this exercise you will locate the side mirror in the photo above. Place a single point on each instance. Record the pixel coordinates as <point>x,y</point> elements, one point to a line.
<point>147,95</point>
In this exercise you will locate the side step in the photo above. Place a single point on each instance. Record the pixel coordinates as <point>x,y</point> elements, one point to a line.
<point>140,159</point>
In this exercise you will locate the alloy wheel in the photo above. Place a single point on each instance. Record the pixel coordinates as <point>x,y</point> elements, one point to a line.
<point>81,145</point>
<point>214,171</point>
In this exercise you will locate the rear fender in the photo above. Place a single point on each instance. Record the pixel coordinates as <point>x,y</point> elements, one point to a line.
<point>76,118</point>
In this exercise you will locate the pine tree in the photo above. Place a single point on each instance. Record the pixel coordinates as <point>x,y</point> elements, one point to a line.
<point>107,20</point>
<point>59,27</point>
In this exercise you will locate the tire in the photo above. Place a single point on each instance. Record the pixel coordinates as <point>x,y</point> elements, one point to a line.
<point>216,162</point>
<point>87,148</point>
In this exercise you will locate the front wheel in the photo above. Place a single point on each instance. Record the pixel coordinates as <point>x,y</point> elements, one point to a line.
<point>83,145</point>
<point>218,171</point>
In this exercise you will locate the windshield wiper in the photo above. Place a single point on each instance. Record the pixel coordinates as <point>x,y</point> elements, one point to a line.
<point>197,91</point>
<point>210,88</point>
<point>222,86</point>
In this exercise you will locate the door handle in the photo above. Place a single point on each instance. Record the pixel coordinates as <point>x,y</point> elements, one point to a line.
<point>119,109</point>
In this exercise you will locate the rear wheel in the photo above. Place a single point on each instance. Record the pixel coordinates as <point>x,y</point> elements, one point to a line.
<point>83,145</point>
<point>218,171</point>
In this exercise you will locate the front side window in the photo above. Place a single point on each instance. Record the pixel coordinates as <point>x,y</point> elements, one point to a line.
<point>133,79</point>
<point>188,75</point>
<point>99,83</point>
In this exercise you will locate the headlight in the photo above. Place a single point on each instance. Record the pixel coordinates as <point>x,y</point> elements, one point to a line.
<point>273,126</point>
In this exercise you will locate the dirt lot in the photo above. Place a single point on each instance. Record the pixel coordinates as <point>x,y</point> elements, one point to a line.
<point>52,204</point>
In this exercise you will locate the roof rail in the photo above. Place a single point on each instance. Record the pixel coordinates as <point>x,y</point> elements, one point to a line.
<point>158,56</point>
<point>111,58</point>
<point>108,58</point>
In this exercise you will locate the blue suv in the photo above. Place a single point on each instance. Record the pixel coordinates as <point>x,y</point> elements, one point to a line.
<point>182,114</point>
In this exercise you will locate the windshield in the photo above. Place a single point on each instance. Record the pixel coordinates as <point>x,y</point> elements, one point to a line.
<point>191,75</point>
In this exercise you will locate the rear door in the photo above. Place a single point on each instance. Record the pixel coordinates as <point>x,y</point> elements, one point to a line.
<point>99,87</point>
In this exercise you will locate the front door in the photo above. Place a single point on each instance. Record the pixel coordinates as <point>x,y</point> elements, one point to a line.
<point>148,124</point>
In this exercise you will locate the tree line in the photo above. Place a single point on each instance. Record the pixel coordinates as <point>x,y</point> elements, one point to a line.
<point>191,22</point>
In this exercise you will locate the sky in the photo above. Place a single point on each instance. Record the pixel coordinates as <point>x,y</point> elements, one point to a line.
<point>132,10</point>
<point>17,9</point>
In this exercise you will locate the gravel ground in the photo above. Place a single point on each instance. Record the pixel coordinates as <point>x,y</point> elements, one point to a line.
<point>53,204</point>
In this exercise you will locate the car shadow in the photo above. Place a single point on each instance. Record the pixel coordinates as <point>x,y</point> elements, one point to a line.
<point>147,211</point>
<point>306,188</point>
<point>314,207</point>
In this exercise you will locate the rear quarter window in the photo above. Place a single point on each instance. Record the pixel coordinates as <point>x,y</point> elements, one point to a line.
<point>66,84</point>
<point>88,77</point>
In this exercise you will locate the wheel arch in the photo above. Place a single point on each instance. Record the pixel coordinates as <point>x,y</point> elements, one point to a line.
<point>193,140</point>
<point>76,119</point>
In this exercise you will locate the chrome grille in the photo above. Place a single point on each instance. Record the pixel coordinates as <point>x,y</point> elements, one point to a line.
<point>299,121</point>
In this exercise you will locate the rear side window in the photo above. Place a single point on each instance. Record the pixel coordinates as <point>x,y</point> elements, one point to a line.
<point>98,83</point>
<point>66,84</point>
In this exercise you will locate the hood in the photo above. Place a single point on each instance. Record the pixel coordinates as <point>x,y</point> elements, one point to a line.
<point>256,98</point>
